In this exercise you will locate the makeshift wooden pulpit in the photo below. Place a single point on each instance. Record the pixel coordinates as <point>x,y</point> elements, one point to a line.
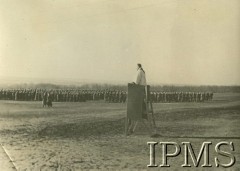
<point>139,108</point>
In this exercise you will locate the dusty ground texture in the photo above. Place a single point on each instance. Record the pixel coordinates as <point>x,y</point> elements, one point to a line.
<point>90,135</point>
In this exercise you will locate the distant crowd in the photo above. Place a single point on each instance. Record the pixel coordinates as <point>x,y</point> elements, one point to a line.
<point>158,97</point>
<point>110,96</point>
<point>68,95</point>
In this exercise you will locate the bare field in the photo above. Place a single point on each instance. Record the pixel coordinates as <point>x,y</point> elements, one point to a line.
<point>90,135</point>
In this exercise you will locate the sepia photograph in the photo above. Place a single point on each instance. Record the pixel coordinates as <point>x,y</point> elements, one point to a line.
<point>119,85</point>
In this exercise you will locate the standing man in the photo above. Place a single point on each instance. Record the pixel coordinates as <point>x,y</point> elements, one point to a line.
<point>141,77</point>
<point>140,80</point>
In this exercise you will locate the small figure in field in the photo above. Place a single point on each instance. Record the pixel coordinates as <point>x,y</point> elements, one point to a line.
<point>49,100</point>
<point>44,99</point>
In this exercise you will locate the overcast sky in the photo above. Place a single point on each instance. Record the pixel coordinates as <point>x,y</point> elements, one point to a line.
<point>176,41</point>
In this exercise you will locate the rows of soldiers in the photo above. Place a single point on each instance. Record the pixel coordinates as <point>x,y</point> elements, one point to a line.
<point>109,96</point>
<point>168,97</point>
<point>69,95</point>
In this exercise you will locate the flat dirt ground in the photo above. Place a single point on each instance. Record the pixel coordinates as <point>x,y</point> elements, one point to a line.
<point>90,135</point>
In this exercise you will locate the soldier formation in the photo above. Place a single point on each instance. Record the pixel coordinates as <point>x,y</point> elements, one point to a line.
<point>168,97</point>
<point>109,96</point>
<point>67,95</point>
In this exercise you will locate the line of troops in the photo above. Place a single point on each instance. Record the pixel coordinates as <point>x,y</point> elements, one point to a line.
<point>110,96</point>
<point>70,95</point>
<point>168,97</point>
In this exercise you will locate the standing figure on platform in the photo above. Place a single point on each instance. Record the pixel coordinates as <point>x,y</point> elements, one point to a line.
<point>140,80</point>
<point>141,77</point>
